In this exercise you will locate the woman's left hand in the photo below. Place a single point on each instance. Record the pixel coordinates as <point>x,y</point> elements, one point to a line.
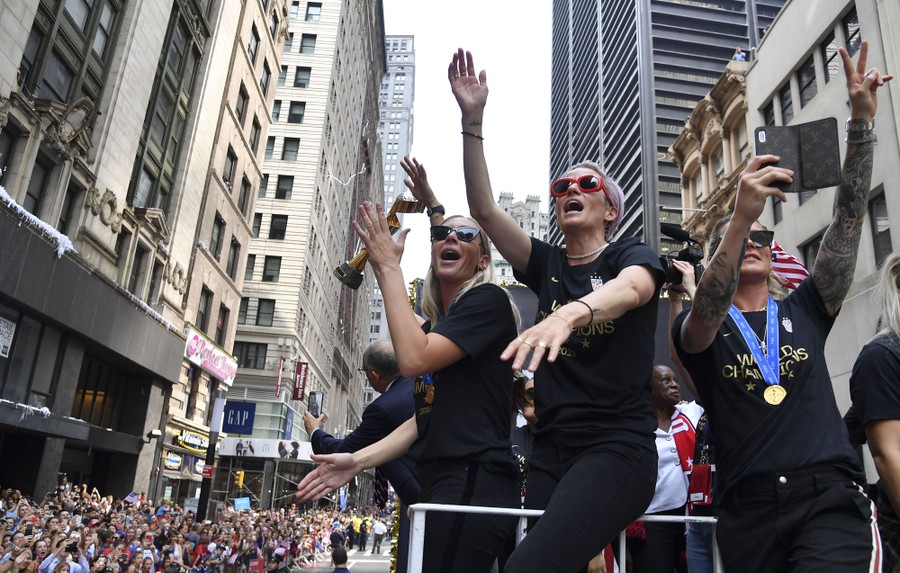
<point>376,236</point>
<point>544,339</point>
<point>861,84</point>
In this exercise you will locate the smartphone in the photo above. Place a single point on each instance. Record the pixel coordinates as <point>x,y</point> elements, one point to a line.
<point>810,150</point>
<point>29,529</point>
<point>316,401</point>
<point>72,547</point>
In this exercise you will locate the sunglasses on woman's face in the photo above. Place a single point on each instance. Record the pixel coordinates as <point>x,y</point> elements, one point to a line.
<point>758,238</point>
<point>585,183</point>
<point>464,234</point>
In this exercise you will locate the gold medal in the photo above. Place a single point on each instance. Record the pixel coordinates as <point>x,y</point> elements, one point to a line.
<point>775,394</point>
<point>429,394</point>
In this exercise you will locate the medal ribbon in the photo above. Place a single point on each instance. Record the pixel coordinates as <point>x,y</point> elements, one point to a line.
<point>768,365</point>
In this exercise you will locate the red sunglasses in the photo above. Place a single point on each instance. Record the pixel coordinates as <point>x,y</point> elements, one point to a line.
<point>585,183</point>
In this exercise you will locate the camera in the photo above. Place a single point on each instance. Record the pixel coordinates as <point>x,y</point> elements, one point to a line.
<point>72,547</point>
<point>692,254</point>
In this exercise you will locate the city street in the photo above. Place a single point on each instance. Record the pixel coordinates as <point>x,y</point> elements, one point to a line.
<point>359,562</point>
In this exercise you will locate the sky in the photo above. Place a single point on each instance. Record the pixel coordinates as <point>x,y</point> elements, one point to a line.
<point>511,41</point>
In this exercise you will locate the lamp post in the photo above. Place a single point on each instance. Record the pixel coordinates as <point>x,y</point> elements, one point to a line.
<point>215,426</point>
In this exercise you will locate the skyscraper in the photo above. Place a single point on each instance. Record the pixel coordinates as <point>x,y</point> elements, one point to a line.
<point>626,75</point>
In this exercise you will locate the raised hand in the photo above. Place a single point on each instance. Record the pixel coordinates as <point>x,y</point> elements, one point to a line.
<point>862,84</point>
<point>335,471</point>
<point>757,184</point>
<point>417,182</point>
<point>376,236</point>
<point>469,87</point>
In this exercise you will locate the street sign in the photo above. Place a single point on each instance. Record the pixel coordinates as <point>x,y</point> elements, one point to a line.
<point>207,472</point>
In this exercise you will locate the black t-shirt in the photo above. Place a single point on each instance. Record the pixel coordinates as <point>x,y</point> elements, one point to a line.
<point>753,438</point>
<point>598,390</point>
<point>875,381</point>
<point>468,417</point>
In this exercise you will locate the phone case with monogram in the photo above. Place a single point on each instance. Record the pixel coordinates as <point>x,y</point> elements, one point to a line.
<point>811,150</point>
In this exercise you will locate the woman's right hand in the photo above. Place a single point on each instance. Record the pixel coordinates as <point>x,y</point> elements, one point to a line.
<point>756,184</point>
<point>469,87</point>
<point>417,182</point>
<point>335,471</point>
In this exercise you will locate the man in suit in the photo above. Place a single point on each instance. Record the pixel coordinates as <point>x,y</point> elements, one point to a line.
<point>380,418</point>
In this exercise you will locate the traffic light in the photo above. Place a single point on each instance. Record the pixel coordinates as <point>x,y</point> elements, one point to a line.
<point>239,478</point>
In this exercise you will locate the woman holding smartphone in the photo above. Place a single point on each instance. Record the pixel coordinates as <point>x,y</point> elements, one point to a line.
<point>459,434</point>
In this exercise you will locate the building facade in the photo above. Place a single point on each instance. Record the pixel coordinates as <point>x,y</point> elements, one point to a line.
<point>530,217</point>
<point>797,77</point>
<point>299,330</point>
<point>96,104</point>
<point>625,77</point>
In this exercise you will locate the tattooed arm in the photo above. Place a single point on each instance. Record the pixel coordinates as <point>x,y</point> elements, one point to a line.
<point>719,283</point>
<point>471,91</point>
<point>836,260</point>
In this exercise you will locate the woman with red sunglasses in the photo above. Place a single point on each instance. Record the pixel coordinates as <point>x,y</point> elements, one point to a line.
<point>459,434</point>
<point>593,464</point>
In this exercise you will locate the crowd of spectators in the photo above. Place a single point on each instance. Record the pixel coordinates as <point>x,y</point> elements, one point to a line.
<point>74,530</point>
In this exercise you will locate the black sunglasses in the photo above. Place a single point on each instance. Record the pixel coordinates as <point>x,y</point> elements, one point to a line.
<point>758,238</point>
<point>464,234</point>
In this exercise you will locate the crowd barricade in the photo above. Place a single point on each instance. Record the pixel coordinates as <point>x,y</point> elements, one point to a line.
<point>419,511</point>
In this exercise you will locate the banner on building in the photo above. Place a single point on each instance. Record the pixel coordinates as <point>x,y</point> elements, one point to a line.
<point>288,424</point>
<point>266,448</point>
<point>239,417</point>
<point>204,353</point>
<point>300,374</point>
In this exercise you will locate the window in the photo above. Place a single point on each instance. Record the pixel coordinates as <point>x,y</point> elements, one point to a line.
<point>295,115</point>
<point>222,324</point>
<point>263,185</point>
<point>289,43</point>
<point>255,132</point>
<point>70,208</point>
<point>138,268</point>
<point>250,355</point>
<point>282,75</point>
<point>155,167</point>
<point>284,187</point>
<point>230,166</point>
<point>295,9</point>
<point>257,223</point>
<point>265,314</point>
<point>805,195</point>
<point>271,269</point>
<point>830,57</point>
<point>215,240</point>
<point>787,106</point>
<point>253,45</point>
<point>203,307</point>
<point>777,215</point>
<point>264,78</point>
<point>289,151</point>
<point>234,253</point>
<point>270,147</point>
<point>313,11</point>
<point>769,113</point>
<point>278,228</point>
<point>242,311</point>
<point>273,25</point>
<point>810,250</point>
<point>251,264</point>
<point>881,228</point>
<point>851,32</point>
<point>244,195</point>
<point>276,110</point>
<point>34,194</point>
<point>806,77</point>
<point>240,109</point>
<point>301,77</point>
<point>308,44</point>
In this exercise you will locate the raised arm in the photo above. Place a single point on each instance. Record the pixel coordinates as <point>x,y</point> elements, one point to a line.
<point>836,260</point>
<point>417,182</point>
<point>719,283</point>
<point>470,90</point>
<point>417,353</point>
<point>677,292</point>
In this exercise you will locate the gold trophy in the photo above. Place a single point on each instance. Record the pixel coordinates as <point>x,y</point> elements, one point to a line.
<point>350,272</point>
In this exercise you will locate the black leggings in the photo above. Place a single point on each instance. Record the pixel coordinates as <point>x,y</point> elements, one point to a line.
<point>466,543</point>
<point>588,499</point>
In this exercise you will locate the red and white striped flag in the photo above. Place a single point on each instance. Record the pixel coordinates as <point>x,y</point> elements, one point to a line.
<point>133,497</point>
<point>789,271</point>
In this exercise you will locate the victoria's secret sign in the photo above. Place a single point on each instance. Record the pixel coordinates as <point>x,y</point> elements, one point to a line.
<point>202,352</point>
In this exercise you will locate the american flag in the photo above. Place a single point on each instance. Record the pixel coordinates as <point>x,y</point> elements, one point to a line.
<point>133,497</point>
<point>789,271</point>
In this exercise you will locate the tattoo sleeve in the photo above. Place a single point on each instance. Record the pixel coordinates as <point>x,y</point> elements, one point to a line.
<point>717,287</point>
<point>836,259</point>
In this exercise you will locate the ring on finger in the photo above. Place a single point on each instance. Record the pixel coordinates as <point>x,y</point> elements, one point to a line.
<point>542,344</point>
<point>525,342</point>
